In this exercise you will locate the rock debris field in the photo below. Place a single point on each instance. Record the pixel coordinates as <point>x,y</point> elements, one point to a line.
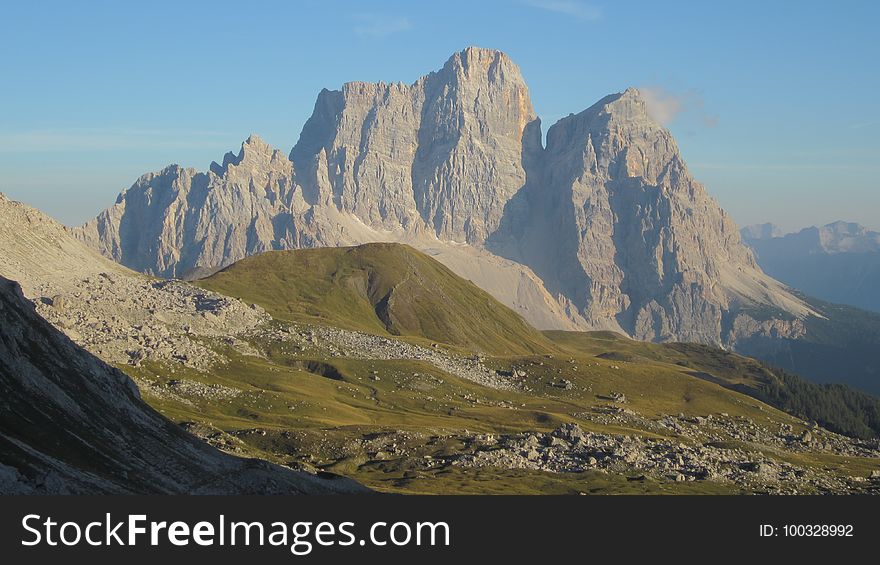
<point>128,319</point>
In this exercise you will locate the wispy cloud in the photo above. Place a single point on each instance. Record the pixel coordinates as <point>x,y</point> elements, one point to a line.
<point>665,106</point>
<point>103,139</point>
<point>572,8</point>
<point>377,26</point>
<point>862,125</point>
<point>783,167</point>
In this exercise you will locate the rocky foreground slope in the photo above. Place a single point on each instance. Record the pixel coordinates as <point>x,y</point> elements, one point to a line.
<point>602,228</point>
<point>119,315</point>
<point>71,424</point>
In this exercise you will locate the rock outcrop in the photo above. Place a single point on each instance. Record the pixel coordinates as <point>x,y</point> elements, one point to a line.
<point>177,220</point>
<point>604,228</point>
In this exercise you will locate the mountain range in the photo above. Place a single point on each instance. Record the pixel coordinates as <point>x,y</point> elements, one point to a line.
<point>604,228</point>
<point>838,262</point>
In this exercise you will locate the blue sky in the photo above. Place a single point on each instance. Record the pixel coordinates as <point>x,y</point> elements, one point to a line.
<point>776,105</point>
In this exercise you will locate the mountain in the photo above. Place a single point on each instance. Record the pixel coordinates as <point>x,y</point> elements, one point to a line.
<point>613,221</point>
<point>443,155</point>
<point>838,262</point>
<point>182,223</point>
<point>603,228</point>
<point>70,424</point>
<point>760,231</point>
<point>381,288</point>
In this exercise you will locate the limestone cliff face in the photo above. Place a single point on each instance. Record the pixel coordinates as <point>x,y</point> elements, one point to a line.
<point>603,228</point>
<point>444,154</point>
<point>437,158</point>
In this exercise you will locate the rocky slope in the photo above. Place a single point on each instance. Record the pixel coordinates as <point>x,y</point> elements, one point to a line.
<point>838,262</point>
<point>569,449</point>
<point>119,315</point>
<point>70,424</point>
<point>603,228</point>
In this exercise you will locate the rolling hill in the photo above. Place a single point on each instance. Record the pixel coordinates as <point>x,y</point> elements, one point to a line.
<point>383,288</point>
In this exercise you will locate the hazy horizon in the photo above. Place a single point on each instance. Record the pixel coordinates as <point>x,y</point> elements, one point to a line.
<point>774,113</point>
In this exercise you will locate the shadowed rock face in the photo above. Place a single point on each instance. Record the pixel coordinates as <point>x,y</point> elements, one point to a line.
<point>171,222</point>
<point>602,229</point>
<point>70,424</point>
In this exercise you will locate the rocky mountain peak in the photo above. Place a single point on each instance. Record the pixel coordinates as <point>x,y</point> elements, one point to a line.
<point>614,138</point>
<point>254,154</point>
<point>766,230</point>
<point>843,228</point>
<point>255,144</point>
<point>441,155</point>
<point>477,63</point>
<point>484,80</point>
<point>628,105</point>
<point>844,237</point>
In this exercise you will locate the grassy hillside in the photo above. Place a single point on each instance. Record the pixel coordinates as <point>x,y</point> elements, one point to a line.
<point>834,406</point>
<point>381,288</point>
